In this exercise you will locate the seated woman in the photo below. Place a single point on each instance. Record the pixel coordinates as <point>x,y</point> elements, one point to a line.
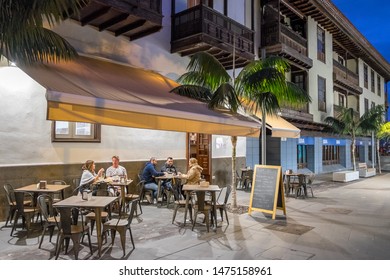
<point>89,176</point>
<point>193,175</point>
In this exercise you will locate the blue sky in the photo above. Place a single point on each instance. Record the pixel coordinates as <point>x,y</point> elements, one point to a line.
<point>372,19</point>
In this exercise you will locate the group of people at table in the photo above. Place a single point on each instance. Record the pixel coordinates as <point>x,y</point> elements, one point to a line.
<point>90,177</point>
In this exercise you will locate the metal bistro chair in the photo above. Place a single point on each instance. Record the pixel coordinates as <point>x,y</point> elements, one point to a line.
<point>26,213</point>
<point>10,194</point>
<point>69,228</point>
<point>222,206</point>
<point>309,182</point>
<point>45,204</point>
<point>121,226</point>
<point>57,196</point>
<point>131,197</point>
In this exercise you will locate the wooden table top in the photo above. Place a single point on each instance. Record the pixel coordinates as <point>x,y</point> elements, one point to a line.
<point>200,188</point>
<point>49,188</point>
<point>77,201</point>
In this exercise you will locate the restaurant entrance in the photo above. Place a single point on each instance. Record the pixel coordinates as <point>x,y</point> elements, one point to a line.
<point>199,147</point>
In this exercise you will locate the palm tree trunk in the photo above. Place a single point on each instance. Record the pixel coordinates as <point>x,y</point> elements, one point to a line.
<point>263,137</point>
<point>353,152</point>
<point>234,179</point>
<point>378,156</point>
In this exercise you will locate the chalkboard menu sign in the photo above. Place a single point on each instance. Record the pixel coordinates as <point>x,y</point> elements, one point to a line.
<point>267,190</point>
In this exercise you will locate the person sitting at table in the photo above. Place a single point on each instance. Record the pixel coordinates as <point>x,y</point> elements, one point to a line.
<point>89,176</point>
<point>170,169</point>
<point>149,174</point>
<point>116,170</point>
<point>193,175</point>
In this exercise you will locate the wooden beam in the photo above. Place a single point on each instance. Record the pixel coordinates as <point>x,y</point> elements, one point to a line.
<point>129,27</point>
<point>96,14</point>
<point>145,33</point>
<point>112,21</point>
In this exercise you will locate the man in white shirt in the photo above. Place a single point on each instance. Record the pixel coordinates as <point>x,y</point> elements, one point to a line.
<point>116,170</point>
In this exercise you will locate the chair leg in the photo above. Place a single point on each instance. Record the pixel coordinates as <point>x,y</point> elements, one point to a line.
<point>131,237</point>
<point>92,225</point>
<point>15,221</point>
<point>51,230</point>
<point>207,221</point>
<point>90,243</point>
<point>113,232</point>
<point>43,235</point>
<point>174,213</point>
<point>194,221</point>
<point>140,208</point>
<point>60,239</point>
<point>122,234</point>
<point>76,245</point>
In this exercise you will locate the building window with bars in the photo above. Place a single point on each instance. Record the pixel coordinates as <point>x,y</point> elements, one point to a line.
<point>330,154</point>
<point>366,105</point>
<point>365,73</point>
<point>373,81</point>
<point>63,131</point>
<point>320,44</point>
<point>379,85</point>
<point>302,156</point>
<point>321,94</point>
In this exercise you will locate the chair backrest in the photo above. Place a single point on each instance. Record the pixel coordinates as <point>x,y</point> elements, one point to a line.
<point>19,199</point>
<point>224,191</point>
<point>45,204</point>
<point>102,189</point>
<point>69,217</point>
<point>310,178</point>
<point>9,190</point>
<point>57,182</point>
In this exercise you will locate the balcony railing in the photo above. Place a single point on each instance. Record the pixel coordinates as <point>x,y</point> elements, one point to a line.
<point>154,5</point>
<point>343,72</point>
<point>205,27</point>
<point>337,111</point>
<point>293,40</point>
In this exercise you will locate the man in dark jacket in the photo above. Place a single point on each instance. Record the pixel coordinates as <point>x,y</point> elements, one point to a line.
<point>148,174</point>
<point>170,169</point>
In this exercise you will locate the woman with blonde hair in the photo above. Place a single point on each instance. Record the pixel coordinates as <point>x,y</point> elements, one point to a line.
<point>193,175</point>
<point>89,175</point>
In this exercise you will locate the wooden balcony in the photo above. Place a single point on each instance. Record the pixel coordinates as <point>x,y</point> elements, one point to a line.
<point>130,18</point>
<point>337,110</point>
<point>296,113</point>
<point>345,78</point>
<point>201,28</point>
<point>281,40</point>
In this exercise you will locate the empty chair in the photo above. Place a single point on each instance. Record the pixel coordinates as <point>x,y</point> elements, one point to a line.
<point>26,213</point>
<point>70,228</point>
<point>238,180</point>
<point>137,196</point>
<point>102,190</point>
<point>181,203</point>
<point>309,182</point>
<point>201,207</point>
<point>57,196</point>
<point>247,180</point>
<point>222,205</point>
<point>10,194</point>
<point>45,205</point>
<point>121,226</point>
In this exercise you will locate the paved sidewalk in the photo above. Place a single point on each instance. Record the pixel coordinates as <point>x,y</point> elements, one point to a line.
<point>344,221</point>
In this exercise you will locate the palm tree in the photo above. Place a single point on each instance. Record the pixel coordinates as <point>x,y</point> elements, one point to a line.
<point>263,86</point>
<point>208,81</point>
<point>346,123</point>
<point>372,122</point>
<point>23,37</point>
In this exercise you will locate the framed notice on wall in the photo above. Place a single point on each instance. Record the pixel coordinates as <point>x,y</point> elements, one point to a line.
<point>267,190</point>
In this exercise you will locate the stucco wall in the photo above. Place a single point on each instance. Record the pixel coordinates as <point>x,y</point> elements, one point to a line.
<point>324,70</point>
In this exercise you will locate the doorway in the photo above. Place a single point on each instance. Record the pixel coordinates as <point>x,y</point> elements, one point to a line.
<point>199,147</point>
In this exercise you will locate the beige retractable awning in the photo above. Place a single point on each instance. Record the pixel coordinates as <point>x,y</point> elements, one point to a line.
<point>280,127</point>
<point>99,91</point>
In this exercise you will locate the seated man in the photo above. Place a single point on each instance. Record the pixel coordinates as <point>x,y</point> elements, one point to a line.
<point>116,170</point>
<point>170,169</point>
<point>148,174</point>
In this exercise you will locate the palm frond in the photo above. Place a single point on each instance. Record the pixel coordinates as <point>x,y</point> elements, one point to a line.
<point>225,96</point>
<point>335,124</point>
<point>192,78</point>
<point>192,91</point>
<point>212,71</point>
<point>35,44</point>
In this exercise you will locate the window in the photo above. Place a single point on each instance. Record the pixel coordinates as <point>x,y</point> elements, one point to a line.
<point>372,81</point>
<point>340,60</point>
<point>379,85</point>
<point>342,100</point>
<point>372,105</point>
<point>366,105</point>
<point>365,73</point>
<point>321,94</point>
<point>299,79</point>
<point>330,154</point>
<point>320,44</point>
<point>75,132</point>
<point>302,156</point>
